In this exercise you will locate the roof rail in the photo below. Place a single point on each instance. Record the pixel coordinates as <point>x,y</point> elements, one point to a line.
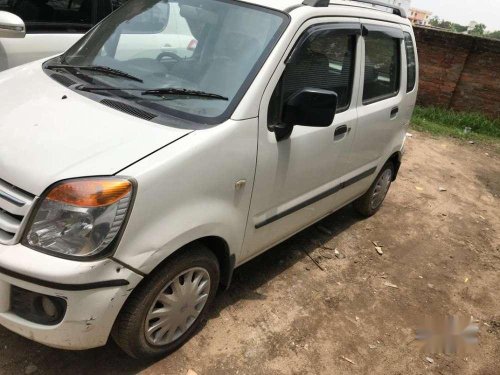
<point>325,3</point>
<point>317,3</point>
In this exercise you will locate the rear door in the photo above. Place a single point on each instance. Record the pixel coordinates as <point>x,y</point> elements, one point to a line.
<point>380,108</point>
<point>412,76</point>
<point>298,178</point>
<point>52,27</point>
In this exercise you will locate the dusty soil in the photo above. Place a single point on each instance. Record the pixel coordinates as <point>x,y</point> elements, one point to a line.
<point>285,314</point>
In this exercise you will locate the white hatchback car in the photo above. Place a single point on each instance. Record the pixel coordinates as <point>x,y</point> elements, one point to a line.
<point>132,184</point>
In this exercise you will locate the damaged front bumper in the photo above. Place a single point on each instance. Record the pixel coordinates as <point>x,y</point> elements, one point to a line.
<point>91,295</point>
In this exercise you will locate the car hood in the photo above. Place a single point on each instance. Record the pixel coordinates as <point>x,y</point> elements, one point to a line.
<point>45,138</point>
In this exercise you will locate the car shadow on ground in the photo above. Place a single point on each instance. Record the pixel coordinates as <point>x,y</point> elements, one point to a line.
<point>17,353</point>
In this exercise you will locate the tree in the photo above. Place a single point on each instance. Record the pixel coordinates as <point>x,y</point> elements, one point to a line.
<point>447,25</point>
<point>459,28</point>
<point>434,21</point>
<point>478,29</point>
<point>494,35</point>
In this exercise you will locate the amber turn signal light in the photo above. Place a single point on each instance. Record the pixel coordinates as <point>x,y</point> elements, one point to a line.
<point>92,192</point>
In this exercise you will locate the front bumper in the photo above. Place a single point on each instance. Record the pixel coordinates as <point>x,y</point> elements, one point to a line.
<point>94,292</point>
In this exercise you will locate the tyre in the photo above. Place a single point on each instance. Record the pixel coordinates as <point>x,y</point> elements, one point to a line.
<point>370,203</point>
<point>169,306</point>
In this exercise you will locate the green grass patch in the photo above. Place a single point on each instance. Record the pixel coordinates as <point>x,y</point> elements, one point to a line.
<point>444,122</point>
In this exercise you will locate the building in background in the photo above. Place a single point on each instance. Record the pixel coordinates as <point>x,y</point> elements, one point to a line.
<point>419,17</point>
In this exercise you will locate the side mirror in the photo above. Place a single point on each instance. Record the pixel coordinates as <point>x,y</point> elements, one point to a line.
<point>11,26</point>
<point>311,107</point>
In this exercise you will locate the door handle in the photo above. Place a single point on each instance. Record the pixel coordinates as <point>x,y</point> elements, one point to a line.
<point>394,112</point>
<point>340,132</point>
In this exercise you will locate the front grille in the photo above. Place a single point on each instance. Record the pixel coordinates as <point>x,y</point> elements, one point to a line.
<point>15,204</point>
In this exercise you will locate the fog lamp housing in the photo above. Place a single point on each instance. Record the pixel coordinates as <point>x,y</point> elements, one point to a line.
<point>37,308</point>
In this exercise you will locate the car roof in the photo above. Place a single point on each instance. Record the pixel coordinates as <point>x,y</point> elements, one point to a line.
<point>366,10</point>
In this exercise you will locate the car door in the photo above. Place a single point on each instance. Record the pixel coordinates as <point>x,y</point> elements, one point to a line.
<point>51,27</point>
<point>297,177</point>
<point>380,111</point>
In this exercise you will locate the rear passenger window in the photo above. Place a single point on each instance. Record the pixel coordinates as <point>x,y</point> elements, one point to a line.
<point>382,67</point>
<point>410,62</point>
<point>325,61</point>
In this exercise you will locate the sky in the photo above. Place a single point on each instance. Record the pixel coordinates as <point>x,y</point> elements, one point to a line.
<point>464,11</point>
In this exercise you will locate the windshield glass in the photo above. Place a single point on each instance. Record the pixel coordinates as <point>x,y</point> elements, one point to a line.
<point>207,46</point>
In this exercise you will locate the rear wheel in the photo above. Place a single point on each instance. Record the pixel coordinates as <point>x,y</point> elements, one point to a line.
<point>370,203</point>
<point>169,306</point>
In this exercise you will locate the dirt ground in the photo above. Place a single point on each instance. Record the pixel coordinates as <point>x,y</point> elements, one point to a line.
<point>284,314</point>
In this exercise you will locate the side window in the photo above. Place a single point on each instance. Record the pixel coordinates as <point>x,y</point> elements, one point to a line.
<point>382,67</point>
<point>52,16</point>
<point>410,62</point>
<point>326,60</point>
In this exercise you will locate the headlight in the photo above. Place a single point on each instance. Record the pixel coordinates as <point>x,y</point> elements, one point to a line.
<point>80,218</point>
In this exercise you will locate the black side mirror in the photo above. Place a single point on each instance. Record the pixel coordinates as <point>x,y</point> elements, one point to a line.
<point>311,107</point>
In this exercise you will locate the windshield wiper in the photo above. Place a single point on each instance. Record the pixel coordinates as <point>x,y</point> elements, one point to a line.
<point>187,92</point>
<point>158,92</point>
<point>97,68</point>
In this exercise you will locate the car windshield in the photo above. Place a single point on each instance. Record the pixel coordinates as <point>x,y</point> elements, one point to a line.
<point>213,47</point>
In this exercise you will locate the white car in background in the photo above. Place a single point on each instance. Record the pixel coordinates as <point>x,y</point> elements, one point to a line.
<point>34,29</point>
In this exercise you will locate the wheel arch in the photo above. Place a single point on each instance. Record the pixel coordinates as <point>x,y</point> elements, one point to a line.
<point>395,159</point>
<point>219,247</point>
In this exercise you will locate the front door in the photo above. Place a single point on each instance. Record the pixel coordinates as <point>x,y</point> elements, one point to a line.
<point>297,178</point>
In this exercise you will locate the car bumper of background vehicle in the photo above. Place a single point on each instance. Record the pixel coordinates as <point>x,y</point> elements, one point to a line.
<point>92,295</point>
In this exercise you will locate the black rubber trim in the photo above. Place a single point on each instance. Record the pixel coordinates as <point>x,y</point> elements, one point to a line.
<point>359,177</point>
<point>125,265</point>
<point>397,167</point>
<point>345,28</point>
<point>229,279</point>
<point>388,31</point>
<point>67,287</point>
<point>315,199</point>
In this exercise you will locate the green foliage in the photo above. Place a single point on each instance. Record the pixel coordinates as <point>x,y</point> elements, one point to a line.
<point>440,121</point>
<point>494,35</point>
<point>447,25</point>
<point>478,30</point>
<point>459,28</point>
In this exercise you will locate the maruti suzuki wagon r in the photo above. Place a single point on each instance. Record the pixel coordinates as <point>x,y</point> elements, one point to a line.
<point>134,180</point>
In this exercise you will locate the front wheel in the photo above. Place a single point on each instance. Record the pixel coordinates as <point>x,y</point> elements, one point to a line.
<point>167,308</point>
<point>370,203</point>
